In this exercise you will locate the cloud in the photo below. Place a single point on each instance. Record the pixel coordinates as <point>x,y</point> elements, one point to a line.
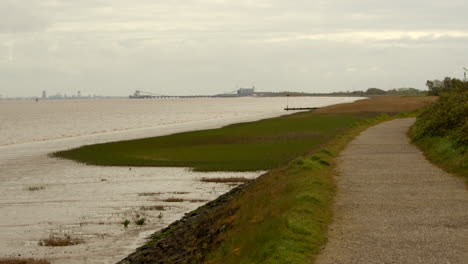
<point>114,46</point>
<point>366,36</point>
<point>21,17</point>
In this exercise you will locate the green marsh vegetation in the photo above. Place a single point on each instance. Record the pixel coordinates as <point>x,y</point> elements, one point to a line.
<point>140,221</point>
<point>441,130</point>
<point>282,216</point>
<point>252,146</point>
<point>126,223</point>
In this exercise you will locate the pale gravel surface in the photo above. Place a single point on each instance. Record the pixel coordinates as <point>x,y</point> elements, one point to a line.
<point>393,206</point>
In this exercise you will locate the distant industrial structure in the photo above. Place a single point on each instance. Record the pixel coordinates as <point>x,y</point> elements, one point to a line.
<point>138,94</point>
<point>241,92</point>
<point>246,91</point>
<point>44,94</point>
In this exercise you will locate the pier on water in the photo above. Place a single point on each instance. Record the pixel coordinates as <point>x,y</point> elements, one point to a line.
<point>148,95</point>
<point>168,96</point>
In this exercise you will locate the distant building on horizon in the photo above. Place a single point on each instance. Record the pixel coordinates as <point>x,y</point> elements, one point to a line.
<point>44,94</point>
<point>246,91</point>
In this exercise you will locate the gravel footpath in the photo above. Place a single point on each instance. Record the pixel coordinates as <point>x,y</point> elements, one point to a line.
<point>393,206</point>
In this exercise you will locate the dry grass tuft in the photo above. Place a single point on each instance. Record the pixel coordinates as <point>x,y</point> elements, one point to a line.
<point>159,193</point>
<point>153,208</point>
<point>23,261</point>
<point>179,200</point>
<point>54,241</point>
<point>197,200</point>
<point>36,188</point>
<point>225,180</point>
<point>180,192</point>
<point>173,200</point>
<point>150,194</point>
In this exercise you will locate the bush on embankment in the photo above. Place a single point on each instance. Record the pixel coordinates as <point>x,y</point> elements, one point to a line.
<point>442,129</point>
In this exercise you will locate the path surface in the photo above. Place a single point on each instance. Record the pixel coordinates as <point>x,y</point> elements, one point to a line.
<point>393,206</point>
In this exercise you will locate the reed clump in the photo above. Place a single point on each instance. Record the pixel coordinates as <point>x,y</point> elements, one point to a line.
<point>55,241</point>
<point>23,261</point>
<point>179,200</point>
<point>35,188</point>
<point>153,208</point>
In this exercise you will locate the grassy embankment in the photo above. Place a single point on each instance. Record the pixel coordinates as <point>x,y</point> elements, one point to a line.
<point>441,131</point>
<point>282,217</point>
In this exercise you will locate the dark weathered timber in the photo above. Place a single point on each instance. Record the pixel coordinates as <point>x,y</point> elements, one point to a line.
<point>300,108</point>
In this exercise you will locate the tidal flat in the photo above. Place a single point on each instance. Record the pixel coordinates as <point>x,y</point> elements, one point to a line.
<point>65,200</point>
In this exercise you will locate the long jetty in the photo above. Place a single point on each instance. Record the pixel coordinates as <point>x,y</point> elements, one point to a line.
<point>168,96</point>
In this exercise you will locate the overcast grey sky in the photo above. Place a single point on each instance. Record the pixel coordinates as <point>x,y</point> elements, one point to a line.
<point>113,47</point>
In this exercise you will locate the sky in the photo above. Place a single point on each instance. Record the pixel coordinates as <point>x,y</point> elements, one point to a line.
<point>176,47</point>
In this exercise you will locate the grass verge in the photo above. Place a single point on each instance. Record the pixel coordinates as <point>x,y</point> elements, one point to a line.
<point>445,153</point>
<point>441,130</point>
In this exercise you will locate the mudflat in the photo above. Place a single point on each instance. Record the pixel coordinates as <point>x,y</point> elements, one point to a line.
<point>394,206</point>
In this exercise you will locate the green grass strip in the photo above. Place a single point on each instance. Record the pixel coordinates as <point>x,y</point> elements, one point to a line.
<point>251,146</point>
<point>446,153</point>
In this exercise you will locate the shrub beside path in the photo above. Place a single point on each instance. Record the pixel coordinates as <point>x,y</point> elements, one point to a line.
<point>394,206</point>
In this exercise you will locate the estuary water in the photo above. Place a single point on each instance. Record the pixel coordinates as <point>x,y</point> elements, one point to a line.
<point>29,121</point>
<point>43,197</point>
